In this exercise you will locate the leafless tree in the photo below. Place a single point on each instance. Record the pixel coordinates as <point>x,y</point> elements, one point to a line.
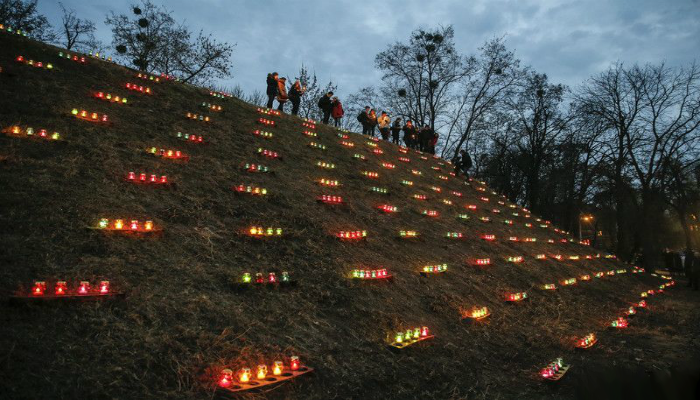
<point>488,80</point>
<point>77,32</point>
<point>151,40</point>
<point>23,15</point>
<point>203,59</point>
<point>418,76</point>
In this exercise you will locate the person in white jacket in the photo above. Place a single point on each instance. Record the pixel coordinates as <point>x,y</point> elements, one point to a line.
<point>384,123</point>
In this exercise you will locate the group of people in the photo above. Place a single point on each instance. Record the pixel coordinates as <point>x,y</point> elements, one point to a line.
<point>277,90</point>
<point>423,138</point>
<point>686,261</point>
<point>331,107</point>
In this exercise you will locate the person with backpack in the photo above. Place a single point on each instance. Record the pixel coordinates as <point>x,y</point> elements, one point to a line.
<point>337,111</point>
<point>363,119</point>
<point>395,129</point>
<point>324,103</point>
<point>295,94</point>
<point>384,123</point>
<point>272,88</point>
<point>282,93</point>
<point>372,121</point>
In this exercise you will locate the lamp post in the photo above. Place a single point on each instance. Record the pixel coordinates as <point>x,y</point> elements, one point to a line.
<point>584,218</point>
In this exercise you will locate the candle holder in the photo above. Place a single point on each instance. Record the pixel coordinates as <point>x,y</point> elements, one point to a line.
<point>403,339</point>
<point>59,290</point>
<point>110,98</point>
<point>90,116</point>
<point>138,88</point>
<point>169,154</point>
<point>29,132</point>
<point>245,380</point>
<point>35,64</point>
<point>555,370</point>
<point>476,313</point>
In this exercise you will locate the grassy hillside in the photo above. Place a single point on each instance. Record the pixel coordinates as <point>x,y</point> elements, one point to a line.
<point>182,320</point>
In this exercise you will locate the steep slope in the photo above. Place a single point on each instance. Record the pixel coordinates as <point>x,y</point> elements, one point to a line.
<point>183,320</point>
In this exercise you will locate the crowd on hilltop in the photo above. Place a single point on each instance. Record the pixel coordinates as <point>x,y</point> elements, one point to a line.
<point>422,138</point>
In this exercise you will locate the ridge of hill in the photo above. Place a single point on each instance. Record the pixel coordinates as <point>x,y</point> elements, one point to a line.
<point>183,319</point>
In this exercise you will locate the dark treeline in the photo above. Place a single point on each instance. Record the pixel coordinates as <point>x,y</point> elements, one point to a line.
<point>615,159</point>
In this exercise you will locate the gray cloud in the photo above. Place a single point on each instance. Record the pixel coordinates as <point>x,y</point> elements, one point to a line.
<point>568,39</point>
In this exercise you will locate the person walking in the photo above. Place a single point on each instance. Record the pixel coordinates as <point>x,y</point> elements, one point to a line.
<point>324,103</point>
<point>372,121</point>
<point>295,94</point>
<point>337,111</point>
<point>271,88</point>
<point>282,93</point>
<point>395,130</point>
<point>384,123</point>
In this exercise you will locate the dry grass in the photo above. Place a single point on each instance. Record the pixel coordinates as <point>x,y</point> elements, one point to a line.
<point>182,320</point>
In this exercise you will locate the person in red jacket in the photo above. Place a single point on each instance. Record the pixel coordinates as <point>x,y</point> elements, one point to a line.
<point>337,111</point>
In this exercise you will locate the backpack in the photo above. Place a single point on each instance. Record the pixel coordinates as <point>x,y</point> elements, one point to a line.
<point>320,102</point>
<point>359,118</point>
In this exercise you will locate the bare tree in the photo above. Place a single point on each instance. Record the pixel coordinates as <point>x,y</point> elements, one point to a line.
<point>488,80</point>
<point>682,193</point>
<point>418,76</point>
<point>652,114</point>
<point>204,59</point>
<point>141,37</point>
<point>152,41</point>
<point>23,15</point>
<point>77,32</point>
<point>257,98</point>
<point>615,98</point>
<point>539,124</point>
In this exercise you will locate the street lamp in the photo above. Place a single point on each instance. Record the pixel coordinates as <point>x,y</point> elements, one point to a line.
<point>585,218</point>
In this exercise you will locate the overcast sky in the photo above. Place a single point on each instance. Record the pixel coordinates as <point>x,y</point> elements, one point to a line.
<point>568,39</point>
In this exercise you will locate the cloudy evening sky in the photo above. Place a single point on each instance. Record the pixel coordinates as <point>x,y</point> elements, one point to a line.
<point>568,39</point>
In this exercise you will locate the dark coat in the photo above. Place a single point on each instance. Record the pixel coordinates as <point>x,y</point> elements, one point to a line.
<point>425,135</point>
<point>396,128</point>
<point>294,94</point>
<point>409,133</point>
<point>272,89</point>
<point>325,104</point>
<point>466,162</point>
<point>363,118</point>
